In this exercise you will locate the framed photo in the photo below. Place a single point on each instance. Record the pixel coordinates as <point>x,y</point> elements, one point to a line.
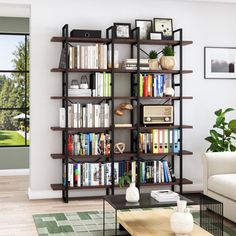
<point>145,27</point>
<point>165,26</point>
<point>219,63</point>
<point>122,30</point>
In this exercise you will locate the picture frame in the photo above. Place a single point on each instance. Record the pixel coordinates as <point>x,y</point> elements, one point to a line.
<point>122,30</point>
<point>220,62</point>
<point>164,25</point>
<point>145,28</point>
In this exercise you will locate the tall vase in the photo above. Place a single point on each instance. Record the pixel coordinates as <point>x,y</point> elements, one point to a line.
<point>181,221</point>
<point>132,193</point>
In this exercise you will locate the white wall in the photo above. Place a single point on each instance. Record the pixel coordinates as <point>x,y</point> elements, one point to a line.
<point>207,24</point>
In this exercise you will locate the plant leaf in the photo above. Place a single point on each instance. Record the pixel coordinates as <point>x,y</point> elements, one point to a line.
<point>232,125</point>
<point>220,120</point>
<point>214,134</point>
<point>232,148</point>
<point>218,113</point>
<point>228,110</point>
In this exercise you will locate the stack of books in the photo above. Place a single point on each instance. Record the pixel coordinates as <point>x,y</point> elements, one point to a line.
<point>79,92</point>
<point>165,196</point>
<point>131,64</point>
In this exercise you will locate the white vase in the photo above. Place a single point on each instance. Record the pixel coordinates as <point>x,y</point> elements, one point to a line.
<point>181,221</point>
<point>132,193</point>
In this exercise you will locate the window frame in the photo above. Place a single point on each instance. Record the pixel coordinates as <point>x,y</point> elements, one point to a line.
<point>26,72</point>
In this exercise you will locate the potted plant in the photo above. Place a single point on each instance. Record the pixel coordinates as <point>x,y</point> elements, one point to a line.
<point>132,193</point>
<point>167,60</point>
<point>223,133</point>
<point>153,62</point>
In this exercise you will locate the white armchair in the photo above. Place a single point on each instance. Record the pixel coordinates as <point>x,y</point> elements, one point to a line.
<point>219,180</point>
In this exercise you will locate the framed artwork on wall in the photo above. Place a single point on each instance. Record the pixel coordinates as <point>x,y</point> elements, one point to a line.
<point>219,63</point>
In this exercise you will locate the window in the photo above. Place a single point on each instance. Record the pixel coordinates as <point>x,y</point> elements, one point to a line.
<point>14,90</point>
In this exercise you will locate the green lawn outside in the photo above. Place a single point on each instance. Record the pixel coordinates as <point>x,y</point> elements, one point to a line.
<point>11,138</point>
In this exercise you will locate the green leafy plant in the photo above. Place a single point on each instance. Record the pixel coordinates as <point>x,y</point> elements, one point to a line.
<point>222,136</point>
<point>125,179</point>
<point>168,51</point>
<point>152,54</point>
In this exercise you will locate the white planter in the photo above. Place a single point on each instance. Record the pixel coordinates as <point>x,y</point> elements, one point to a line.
<point>181,221</point>
<point>167,62</point>
<point>132,193</point>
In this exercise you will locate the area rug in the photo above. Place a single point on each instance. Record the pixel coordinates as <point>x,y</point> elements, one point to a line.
<point>87,224</point>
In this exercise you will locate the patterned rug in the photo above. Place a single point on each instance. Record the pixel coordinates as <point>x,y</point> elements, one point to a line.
<point>87,224</point>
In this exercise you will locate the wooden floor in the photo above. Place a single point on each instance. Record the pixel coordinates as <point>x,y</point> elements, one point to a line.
<point>16,209</point>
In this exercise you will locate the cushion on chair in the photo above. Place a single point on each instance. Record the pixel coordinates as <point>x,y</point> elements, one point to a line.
<point>224,184</point>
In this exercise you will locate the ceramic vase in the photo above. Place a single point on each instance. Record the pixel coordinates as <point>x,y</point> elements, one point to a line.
<point>153,64</point>
<point>132,193</point>
<point>181,221</point>
<point>167,62</point>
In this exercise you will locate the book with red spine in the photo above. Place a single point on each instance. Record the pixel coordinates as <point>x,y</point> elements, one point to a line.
<point>145,85</point>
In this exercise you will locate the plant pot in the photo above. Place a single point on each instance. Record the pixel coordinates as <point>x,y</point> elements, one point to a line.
<point>132,193</point>
<point>153,64</point>
<point>167,62</point>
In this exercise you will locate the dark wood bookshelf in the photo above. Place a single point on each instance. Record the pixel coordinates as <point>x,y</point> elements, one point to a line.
<point>85,130</point>
<point>135,119</point>
<point>57,187</point>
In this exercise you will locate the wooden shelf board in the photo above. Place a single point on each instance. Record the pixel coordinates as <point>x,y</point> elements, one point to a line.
<point>119,41</point>
<point>80,97</point>
<point>122,71</point>
<point>62,156</point>
<point>164,42</point>
<point>147,155</point>
<point>57,187</point>
<point>81,129</point>
<point>143,128</point>
<point>80,70</point>
<point>80,40</point>
<point>120,97</point>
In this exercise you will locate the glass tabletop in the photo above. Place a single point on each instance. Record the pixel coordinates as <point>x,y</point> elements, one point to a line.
<point>118,202</point>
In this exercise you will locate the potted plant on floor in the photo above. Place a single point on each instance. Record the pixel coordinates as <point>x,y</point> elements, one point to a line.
<point>222,136</point>
<point>153,62</point>
<point>167,61</point>
<point>132,192</point>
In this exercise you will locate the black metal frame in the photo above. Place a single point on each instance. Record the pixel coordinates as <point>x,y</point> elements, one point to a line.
<point>112,40</point>
<point>25,72</point>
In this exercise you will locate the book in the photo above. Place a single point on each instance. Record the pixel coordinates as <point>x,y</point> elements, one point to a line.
<point>165,195</point>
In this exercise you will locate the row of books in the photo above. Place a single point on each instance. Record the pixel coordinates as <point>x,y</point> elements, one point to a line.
<point>86,116</point>
<point>88,57</point>
<point>151,85</point>
<point>160,141</point>
<point>89,144</point>
<point>95,174</point>
<point>100,84</point>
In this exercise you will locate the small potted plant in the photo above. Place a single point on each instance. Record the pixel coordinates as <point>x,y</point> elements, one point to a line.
<point>153,62</point>
<point>132,193</point>
<point>167,60</point>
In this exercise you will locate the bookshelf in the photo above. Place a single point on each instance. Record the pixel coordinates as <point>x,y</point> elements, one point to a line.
<point>134,154</point>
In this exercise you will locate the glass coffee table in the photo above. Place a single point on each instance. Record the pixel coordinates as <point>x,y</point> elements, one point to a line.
<point>211,211</point>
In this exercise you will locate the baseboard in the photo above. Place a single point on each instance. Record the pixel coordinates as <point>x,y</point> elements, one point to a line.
<point>193,188</point>
<point>14,172</point>
<point>43,194</point>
